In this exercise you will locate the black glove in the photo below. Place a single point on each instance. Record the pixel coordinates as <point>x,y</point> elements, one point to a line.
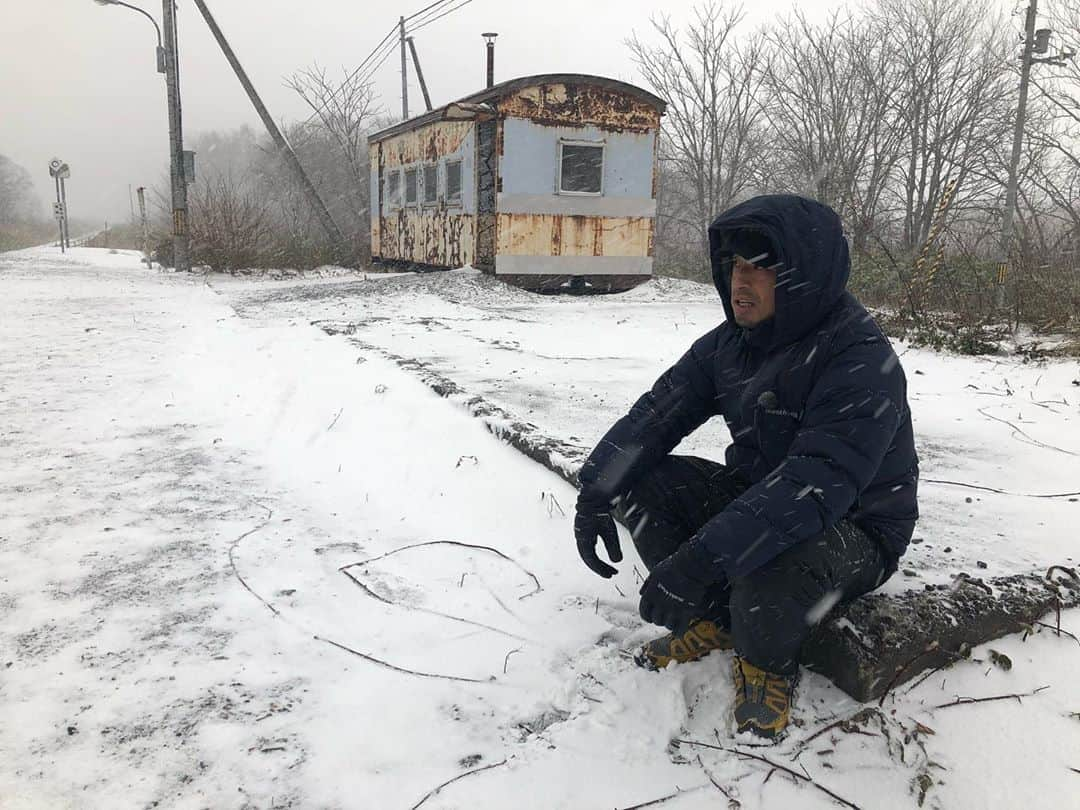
<point>673,595</point>
<point>594,519</point>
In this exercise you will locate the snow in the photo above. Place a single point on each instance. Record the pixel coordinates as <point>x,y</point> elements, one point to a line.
<point>207,499</point>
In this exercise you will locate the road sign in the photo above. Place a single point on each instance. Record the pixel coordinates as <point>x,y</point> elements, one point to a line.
<point>59,169</point>
<point>58,210</point>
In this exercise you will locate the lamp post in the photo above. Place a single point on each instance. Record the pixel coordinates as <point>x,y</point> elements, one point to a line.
<point>168,63</point>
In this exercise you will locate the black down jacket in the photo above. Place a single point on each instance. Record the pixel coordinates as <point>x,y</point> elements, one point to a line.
<point>815,399</point>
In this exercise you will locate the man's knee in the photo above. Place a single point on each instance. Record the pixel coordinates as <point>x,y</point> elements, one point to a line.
<point>784,591</point>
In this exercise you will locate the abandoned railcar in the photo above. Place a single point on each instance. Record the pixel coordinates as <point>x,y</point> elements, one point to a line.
<point>549,182</point>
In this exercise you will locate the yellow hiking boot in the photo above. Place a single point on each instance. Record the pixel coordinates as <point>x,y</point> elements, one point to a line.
<point>762,700</point>
<point>698,641</point>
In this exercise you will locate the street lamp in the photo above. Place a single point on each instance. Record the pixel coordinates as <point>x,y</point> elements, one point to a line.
<point>160,47</point>
<point>167,63</point>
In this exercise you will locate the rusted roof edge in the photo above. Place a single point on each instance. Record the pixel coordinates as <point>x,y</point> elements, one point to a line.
<point>508,87</point>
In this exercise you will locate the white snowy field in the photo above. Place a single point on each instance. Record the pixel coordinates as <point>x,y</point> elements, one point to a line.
<point>244,565</point>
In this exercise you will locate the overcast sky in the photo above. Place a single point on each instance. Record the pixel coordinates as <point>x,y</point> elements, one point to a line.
<point>78,81</point>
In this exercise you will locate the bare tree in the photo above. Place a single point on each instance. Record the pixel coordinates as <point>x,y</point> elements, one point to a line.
<point>836,125</point>
<point>18,203</point>
<point>346,110</point>
<point>711,136</point>
<point>957,98</point>
<point>231,227</point>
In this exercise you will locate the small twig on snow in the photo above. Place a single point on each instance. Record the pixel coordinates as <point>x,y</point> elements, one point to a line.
<point>846,724</point>
<point>232,557</point>
<point>494,551</point>
<point>330,427</point>
<point>771,764</point>
<point>403,670</point>
<point>1030,439</point>
<point>435,791</point>
<point>900,670</point>
<point>733,803</point>
<point>420,609</point>
<point>1058,630</point>
<point>930,673</point>
<point>963,701</point>
<point>996,490</point>
<point>506,660</point>
<point>667,798</point>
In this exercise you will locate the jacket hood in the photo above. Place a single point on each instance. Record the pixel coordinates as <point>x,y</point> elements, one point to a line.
<point>808,239</point>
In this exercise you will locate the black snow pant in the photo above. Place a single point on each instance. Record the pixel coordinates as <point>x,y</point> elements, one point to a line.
<point>770,611</point>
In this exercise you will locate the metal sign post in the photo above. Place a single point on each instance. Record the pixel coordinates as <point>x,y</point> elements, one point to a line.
<point>60,172</point>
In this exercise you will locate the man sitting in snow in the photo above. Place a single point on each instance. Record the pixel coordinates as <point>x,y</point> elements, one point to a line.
<point>817,500</point>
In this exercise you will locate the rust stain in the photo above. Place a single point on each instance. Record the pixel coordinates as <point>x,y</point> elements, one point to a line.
<point>426,143</point>
<point>581,105</point>
<point>573,235</point>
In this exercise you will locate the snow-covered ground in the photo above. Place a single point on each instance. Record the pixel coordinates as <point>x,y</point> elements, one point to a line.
<point>245,565</point>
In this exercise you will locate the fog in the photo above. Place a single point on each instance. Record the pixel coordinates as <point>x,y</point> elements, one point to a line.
<point>78,80</point>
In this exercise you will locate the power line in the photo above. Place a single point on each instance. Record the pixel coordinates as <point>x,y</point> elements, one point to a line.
<point>381,52</point>
<point>387,52</point>
<point>448,11</point>
<point>352,75</point>
<point>426,8</point>
<point>433,9</point>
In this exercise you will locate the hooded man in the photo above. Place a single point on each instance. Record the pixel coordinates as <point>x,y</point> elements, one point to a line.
<point>817,499</point>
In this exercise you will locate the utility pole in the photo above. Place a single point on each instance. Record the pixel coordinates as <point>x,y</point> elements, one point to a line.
<point>404,72</point>
<point>141,191</point>
<point>181,260</point>
<point>419,73</point>
<point>1017,146</point>
<point>283,146</point>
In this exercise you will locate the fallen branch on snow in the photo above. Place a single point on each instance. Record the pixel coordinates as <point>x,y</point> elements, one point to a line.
<point>435,791</point>
<point>420,609</point>
<point>667,798</point>
<point>458,544</point>
<point>232,557</point>
<point>803,777</point>
<point>963,701</point>
<point>403,670</point>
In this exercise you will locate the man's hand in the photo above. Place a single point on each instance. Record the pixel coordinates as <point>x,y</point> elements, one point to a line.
<point>673,595</point>
<point>591,521</point>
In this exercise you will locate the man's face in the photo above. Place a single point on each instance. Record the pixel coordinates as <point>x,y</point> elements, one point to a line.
<point>753,292</point>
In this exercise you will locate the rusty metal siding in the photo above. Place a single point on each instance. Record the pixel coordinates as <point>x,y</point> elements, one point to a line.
<point>582,104</point>
<point>435,235</point>
<point>430,236</point>
<point>562,235</point>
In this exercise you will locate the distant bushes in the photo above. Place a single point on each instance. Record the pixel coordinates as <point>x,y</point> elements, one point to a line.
<point>18,235</point>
